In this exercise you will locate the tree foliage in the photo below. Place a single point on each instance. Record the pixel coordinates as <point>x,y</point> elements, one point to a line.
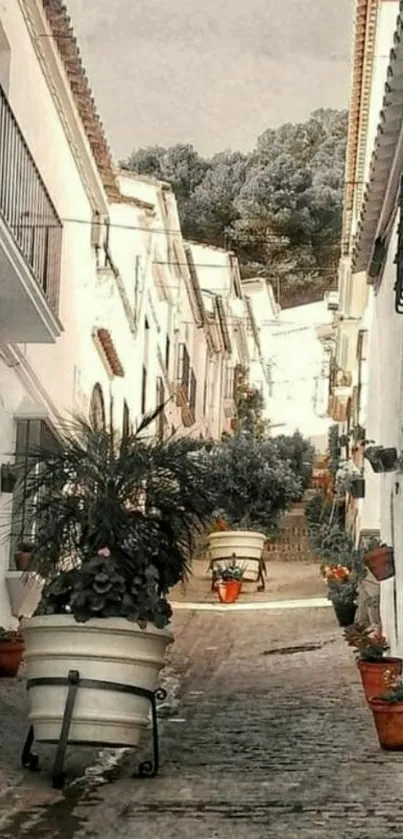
<point>279,206</point>
<point>299,453</point>
<point>251,484</point>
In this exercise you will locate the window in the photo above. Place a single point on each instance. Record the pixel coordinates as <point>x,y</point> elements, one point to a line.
<point>229,383</point>
<point>97,409</point>
<point>183,375</point>
<point>144,390</point>
<point>126,420</point>
<point>205,391</point>
<point>160,401</point>
<point>192,392</point>
<point>31,435</point>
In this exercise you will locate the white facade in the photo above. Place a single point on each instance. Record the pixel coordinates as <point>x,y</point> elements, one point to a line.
<point>125,313</point>
<point>299,373</point>
<point>369,329</point>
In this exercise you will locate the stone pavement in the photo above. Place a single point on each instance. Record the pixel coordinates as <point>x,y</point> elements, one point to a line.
<point>284,580</point>
<point>261,741</point>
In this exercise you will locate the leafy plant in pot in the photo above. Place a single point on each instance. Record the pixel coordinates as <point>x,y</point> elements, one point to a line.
<point>253,487</point>
<point>342,591</point>
<point>349,480</point>
<point>376,669</point>
<point>11,652</point>
<point>341,568</point>
<point>116,518</point>
<point>227,580</point>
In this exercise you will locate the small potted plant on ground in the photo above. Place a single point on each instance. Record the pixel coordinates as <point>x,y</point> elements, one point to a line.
<point>376,669</point>
<point>115,521</point>
<point>387,710</point>
<point>11,652</point>
<point>227,579</point>
<point>379,558</point>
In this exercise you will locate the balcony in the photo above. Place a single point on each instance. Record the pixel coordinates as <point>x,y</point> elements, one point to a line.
<point>30,242</point>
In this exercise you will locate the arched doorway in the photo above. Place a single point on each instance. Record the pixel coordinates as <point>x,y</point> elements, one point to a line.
<point>97,409</point>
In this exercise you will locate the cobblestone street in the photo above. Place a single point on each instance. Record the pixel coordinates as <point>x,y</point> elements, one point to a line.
<point>263,741</point>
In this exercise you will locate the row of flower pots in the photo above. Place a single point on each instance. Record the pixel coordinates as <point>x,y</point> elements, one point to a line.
<point>381,678</point>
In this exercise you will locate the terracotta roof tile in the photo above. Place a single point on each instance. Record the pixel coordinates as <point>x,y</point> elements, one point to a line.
<point>65,39</point>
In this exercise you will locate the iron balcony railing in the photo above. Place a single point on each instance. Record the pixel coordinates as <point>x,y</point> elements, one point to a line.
<point>27,208</point>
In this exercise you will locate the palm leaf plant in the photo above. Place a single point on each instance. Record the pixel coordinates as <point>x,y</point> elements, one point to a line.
<point>114,520</point>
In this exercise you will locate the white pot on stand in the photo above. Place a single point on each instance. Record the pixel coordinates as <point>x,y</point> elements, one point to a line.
<point>247,545</point>
<point>108,649</point>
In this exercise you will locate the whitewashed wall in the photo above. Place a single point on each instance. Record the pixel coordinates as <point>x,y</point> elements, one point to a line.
<point>297,357</point>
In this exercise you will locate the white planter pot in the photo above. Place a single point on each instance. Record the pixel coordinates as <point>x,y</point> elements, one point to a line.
<point>247,545</point>
<point>111,650</point>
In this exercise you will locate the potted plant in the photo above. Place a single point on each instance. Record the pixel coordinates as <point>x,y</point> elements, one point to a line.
<point>253,487</point>
<point>376,669</point>
<point>228,579</point>
<point>382,459</point>
<point>11,652</point>
<point>379,558</point>
<point>387,710</point>
<point>342,591</point>
<point>116,517</point>
<point>348,479</point>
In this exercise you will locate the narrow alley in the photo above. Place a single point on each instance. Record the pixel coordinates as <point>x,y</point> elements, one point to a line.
<point>267,736</point>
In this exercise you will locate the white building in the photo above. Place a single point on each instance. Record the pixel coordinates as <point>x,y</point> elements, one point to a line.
<point>369,353</point>
<point>101,300</point>
<point>299,372</point>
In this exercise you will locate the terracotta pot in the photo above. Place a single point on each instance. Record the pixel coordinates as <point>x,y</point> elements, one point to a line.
<point>11,653</point>
<point>228,592</point>
<point>388,719</point>
<point>345,613</point>
<point>381,563</point>
<point>376,675</point>
<point>22,560</point>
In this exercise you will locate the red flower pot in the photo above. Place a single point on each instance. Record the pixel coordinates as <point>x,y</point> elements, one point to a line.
<point>388,719</point>
<point>376,676</point>
<point>228,592</point>
<point>381,563</point>
<point>11,653</point>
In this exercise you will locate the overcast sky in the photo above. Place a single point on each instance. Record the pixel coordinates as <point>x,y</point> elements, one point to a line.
<point>215,73</point>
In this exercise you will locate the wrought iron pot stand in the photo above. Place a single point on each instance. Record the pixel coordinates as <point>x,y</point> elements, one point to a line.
<point>30,760</point>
